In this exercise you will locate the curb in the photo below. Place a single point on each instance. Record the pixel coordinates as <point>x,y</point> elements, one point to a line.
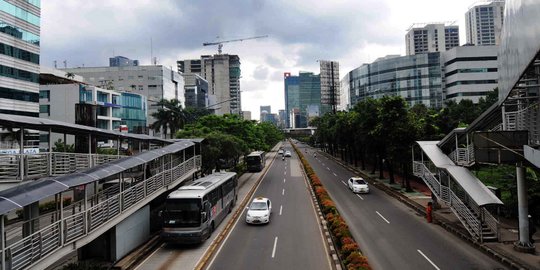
<point>439,220</point>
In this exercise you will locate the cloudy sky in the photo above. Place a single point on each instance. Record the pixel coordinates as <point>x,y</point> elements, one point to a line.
<point>300,32</point>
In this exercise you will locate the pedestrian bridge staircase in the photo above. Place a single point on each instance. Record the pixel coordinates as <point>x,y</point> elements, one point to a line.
<point>458,188</point>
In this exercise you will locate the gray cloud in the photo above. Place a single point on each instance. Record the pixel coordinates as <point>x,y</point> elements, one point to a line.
<point>180,26</point>
<point>260,73</point>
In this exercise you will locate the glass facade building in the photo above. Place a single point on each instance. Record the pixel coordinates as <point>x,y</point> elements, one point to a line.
<point>19,50</point>
<point>416,78</point>
<point>302,98</point>
<point>134,111</point>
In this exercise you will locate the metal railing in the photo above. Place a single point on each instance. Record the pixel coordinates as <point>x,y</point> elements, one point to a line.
<point>78,222</point>
<point>470,214</point>
<point>463,156</point>
<point>47,164</point>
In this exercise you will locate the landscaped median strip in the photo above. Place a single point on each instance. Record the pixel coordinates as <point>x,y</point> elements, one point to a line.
<point>348,250</point>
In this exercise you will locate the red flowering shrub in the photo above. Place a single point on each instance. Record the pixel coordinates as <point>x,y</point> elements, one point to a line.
<point>356,261</point>
<point>315,181</point>
<point>347,240</point>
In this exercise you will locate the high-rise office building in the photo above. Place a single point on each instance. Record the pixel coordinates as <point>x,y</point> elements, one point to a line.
<point>464,72</point>
<point>196,89</point>
<point>265,112</point>
<point>470,72</point>
<point>330,88</point>
<point>302,98</point>
<point>246,115</point>
<point>19,67</point>
<point>154,82</point>
<point>483,22</point>
<point>434,37</point>
<point>121,61</point>
<point>222,71</point>
<point>416,78</point>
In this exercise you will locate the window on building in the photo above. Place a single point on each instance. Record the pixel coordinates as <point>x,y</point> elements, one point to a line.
<point>45,109</point>
<point>45,94</point>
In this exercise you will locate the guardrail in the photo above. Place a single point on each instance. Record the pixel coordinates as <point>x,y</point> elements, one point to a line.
<point>103,207</point>
<point>47,164</point>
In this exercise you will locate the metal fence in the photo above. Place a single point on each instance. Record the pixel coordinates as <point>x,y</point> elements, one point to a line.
<point>47,164</point>
<point>77,222</point>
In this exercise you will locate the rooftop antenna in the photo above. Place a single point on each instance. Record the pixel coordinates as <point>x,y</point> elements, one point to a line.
<point>65,63</point>
<point>151,52</point>
<point>54,64</point>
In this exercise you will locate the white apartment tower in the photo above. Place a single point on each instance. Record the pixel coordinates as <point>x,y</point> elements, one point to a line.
<point>433,37</point>
<point>483,22</point>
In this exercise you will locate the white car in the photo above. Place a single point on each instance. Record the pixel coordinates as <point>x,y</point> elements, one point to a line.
<point>287,154</point>
<point>259,211</point>
<point>358,185</point>
<point>280,152</point>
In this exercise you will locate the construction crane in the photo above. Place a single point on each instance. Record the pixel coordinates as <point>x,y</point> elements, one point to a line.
<point>220,43</point>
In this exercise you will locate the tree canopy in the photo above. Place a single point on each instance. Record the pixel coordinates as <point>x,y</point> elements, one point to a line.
<point>229,137</point>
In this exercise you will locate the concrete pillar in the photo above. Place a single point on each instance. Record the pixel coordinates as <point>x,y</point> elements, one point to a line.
<point>21,154</point>
<point>2,242</point>
<point>523,209</point>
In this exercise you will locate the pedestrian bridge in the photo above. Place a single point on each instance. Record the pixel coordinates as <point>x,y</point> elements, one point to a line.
<point>53,203</point>
<point>87,204</point>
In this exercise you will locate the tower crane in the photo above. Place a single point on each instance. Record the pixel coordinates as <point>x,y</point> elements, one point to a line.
<point>220,43</point>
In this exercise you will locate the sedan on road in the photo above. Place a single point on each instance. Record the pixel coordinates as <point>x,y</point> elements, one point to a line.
<point>358,185</point>
<point>287,153</point>
<point>259,211</point>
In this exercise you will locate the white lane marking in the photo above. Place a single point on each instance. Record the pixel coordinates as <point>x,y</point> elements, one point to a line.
<point>434,265</point>
<point>343,182</point>
<point>283,192</point>
<point>327,168</point>
<point>285,173</point>
<point>323,164</point>
<point>360,197</point>
<point>284,180</point>
<point>142,263</point>
<point>280,209</point>
<point>274,249</point>
<point>335,174</point>
<point>382,217</point>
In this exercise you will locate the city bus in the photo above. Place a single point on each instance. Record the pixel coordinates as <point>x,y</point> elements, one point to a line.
<point>255,161</point>
<point>192,212</point>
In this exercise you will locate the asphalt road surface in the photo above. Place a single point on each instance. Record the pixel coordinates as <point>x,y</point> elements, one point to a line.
<point>292,239</point>
<point>391,235</point>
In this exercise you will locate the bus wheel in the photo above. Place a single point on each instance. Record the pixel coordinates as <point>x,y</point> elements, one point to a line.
<point>230,208</point>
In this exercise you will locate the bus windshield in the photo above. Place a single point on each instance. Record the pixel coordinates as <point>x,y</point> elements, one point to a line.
<point>182,213</point>
<point>253,160</point>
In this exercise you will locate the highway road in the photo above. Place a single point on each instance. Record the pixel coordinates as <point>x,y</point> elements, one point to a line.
<point>292,239</point>
<point>391,235</point>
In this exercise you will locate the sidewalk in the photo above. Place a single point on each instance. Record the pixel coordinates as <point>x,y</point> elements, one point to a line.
<point>421,195</point>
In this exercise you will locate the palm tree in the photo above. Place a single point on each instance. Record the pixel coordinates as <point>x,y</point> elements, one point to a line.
<point>171,116</point>
<point>70,75</point>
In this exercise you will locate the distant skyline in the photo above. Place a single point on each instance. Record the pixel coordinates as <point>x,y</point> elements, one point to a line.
<point>300,33</point>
